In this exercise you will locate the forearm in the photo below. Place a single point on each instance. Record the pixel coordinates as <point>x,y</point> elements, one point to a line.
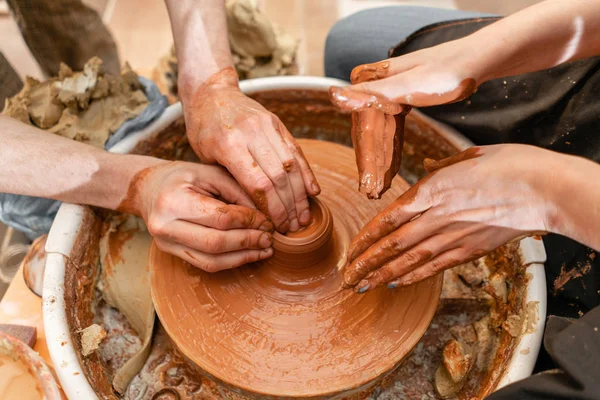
<point>201,41</point>
<point>37,163</point>
<point>575,199</point>
<point>536,38</point>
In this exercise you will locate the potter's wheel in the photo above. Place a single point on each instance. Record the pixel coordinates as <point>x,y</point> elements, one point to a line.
<point>285,327</point>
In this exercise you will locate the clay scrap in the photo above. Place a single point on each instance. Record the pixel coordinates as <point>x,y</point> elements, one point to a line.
<point>87,106</point>
<point>125,285</point>
<point>259,47</point>
<point>91,337</point>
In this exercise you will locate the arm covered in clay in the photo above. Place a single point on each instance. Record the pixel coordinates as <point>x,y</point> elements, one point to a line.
<point>472,203</point>
<point>226,127</point>
<point>539,37</point>
<point>177,200</point>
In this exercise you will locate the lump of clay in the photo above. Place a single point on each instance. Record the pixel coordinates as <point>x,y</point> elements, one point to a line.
<point>88,106</point>
<point>91,338</point>
<point>377,139</point>
<point>457,361</point>
<point>125,285</point>
<point>259,48</point>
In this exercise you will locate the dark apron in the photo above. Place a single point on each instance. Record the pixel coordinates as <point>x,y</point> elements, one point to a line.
<point>557,109</point>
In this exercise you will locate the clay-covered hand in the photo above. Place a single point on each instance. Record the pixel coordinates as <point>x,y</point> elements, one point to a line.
<point>469,204</point>
<point>200,214</point>
<point>433,76</point>
<point>227,127</point>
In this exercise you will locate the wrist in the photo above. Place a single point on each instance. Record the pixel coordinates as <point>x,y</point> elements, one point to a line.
<point>131,178</point>
<point>192,85</point>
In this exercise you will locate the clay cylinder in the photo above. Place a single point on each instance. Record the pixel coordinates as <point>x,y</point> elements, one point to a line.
<point>308,246</point>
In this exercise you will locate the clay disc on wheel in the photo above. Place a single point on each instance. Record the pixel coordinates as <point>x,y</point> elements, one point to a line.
<point>285,327</point>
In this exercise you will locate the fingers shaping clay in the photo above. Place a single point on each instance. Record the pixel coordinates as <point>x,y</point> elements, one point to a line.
<point>284,327</point>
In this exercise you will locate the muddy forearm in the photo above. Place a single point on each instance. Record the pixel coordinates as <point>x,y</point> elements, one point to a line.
<point>37,163</point>
<point>201,41</point>
<point>574,189</point>
<point>536,38</point>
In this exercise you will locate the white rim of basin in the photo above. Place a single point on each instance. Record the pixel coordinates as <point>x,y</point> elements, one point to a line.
<point>68,221</point>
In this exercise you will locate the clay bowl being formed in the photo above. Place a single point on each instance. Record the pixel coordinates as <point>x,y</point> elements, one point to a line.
<point>285,327</point>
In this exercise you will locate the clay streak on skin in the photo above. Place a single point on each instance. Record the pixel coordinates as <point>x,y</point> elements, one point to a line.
<point>573,44</point>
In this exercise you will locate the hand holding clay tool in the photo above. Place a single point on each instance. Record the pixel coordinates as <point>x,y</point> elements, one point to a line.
<point>377,132</point>
<point>284,327</point>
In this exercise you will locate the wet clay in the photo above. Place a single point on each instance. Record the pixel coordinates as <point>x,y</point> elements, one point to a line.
<point>377,136</point>
<point>285,327</point>
<point>86,106</point>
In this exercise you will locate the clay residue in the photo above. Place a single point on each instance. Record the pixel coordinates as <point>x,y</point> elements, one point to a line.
<point>566,276</point>
<point>259,47</point>
<point>91,338</point>
<point>87,106</point>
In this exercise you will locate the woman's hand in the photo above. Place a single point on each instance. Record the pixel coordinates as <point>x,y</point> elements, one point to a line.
<point>227,127</point>
<point>439,75</point>
<point>468,205</point>
<point>200,214</point>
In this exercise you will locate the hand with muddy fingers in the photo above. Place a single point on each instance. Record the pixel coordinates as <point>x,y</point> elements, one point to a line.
<point>429,77</point>
<point>200,214</point>
<point>227,127</point>
<point>469,204</point>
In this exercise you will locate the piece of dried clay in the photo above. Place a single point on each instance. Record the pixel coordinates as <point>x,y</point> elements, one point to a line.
<point>125,285</point>
<point>91,338</point>
<point>457,361</point>
<point>87,106</point>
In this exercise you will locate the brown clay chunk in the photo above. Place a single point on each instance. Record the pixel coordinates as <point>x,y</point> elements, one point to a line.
<point>91,338</point>
<point>457,361</point>
<point>86,106</point>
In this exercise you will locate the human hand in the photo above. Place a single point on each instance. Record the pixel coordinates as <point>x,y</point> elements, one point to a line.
<point>185,208</point>
<point>227,127</point>
<point>469,204</point>
<point>437,75</point>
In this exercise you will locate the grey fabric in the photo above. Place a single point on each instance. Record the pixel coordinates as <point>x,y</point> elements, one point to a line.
<point>368,35</point>
<point>34,215</point>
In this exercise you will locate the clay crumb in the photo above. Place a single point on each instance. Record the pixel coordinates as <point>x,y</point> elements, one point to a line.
<point>513,325</point>
<point>566,276</point>
<point>531,316</point>
<point>525,351</point>
<point>91,338</point>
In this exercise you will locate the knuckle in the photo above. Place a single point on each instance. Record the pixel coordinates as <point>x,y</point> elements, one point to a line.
<point>263,183</point>
<point>280,179</point>
<point>215,244</point>
<point>156,227</point>
<point>224,219</point>
<point>291,165</point>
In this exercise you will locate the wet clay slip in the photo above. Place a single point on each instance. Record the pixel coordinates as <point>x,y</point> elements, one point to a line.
<point>285,327</point>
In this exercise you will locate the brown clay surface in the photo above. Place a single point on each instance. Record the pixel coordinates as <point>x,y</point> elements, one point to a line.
<point>288,328</point>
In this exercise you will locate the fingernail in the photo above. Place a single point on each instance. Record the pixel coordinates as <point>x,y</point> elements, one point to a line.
<point>362,286</point>
<point>294,225</point>
<point>305,217</point>
<point>392,285</point>
<point>266,226</point>
<point>283,228</point>
<point>265,240</point>
<point>266,253</point>
<point>316,189</point>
